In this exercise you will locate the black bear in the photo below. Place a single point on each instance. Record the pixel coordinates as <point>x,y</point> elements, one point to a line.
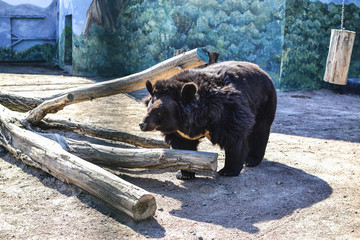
<point>232,103</point>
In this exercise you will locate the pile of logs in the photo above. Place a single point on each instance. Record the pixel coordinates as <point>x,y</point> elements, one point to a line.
<point>74,161</point>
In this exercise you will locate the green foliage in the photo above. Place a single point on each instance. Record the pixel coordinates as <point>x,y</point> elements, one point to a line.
<point>150,31</point>
<point>307,34</point>
<point>96,53</point>
<point>40,52</point>
<point>290,38</point>
<point>6,54</point>
<point>68,45</point>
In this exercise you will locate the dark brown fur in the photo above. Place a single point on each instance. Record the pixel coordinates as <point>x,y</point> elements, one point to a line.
<point>234,101</point>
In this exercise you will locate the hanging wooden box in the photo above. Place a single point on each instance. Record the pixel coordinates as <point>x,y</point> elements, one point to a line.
<point>338,60</point>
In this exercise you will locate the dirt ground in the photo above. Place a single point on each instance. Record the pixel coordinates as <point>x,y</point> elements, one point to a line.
<point>307,187</point>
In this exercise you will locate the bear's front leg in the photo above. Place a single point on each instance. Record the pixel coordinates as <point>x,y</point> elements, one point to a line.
<point>235,156</point>
<point>178,142</point>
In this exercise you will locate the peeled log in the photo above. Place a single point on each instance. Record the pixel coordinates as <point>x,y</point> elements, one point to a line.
<point>170,159</point>
<point>338,60</point>
<point>99,132</point>
<point>48,155</point>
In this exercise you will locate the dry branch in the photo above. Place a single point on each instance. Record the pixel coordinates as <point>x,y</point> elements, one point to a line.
<point>99,132</point>
<point>48,155</point>
<point>163,70</point>
<point>50,106</point>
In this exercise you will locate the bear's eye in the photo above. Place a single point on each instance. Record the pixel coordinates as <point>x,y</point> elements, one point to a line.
<point>158,113</point>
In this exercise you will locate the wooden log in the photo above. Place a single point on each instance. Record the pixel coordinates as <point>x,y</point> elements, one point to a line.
<point>338,60</point>
<point>99,132</point>
<point>170,159</point>
<point>23,104</point>
<point>48,155</point>
<point>163,70</point>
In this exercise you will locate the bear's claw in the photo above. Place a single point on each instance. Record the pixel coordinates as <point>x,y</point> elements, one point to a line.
<point>227,173</point>
<point>185,175</point>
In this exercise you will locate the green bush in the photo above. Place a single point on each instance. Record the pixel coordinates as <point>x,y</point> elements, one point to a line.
<point>150,31</point>
<point>41,52</point>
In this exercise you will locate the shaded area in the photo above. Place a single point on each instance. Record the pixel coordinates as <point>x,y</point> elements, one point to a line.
<point>154,230</point>
<point>268,192</point>
<point>318,114</point>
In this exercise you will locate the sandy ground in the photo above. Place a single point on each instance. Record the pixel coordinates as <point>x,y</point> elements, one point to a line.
<point>307,187</point>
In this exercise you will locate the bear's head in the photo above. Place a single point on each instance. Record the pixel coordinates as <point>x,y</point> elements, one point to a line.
<point>164,105</point>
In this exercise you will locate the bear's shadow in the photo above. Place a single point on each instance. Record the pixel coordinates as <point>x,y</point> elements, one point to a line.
<point>268,192</point>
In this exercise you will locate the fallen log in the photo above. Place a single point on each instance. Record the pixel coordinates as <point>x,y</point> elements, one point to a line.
<point>99,132</point>
<point>163,70</point>
<point>49,156</point>
<point>22,104</point>
<point>170,159</point>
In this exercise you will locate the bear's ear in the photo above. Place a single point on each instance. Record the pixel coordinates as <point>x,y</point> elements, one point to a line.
<point>188,91</point>
<point>149,87</point>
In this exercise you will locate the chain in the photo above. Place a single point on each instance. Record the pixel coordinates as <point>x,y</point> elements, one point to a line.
<point>342,15</point>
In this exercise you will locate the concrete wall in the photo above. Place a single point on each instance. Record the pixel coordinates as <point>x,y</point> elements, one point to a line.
<point>27,31</point>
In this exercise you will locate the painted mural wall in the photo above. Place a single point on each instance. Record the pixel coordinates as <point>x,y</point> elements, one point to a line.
<point>28,30</point>
<point>72,18</point>
<point>288,38</point>
<point>148,32</point>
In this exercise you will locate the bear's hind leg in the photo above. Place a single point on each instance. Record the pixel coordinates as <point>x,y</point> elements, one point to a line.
<point>178,142</point>
<point>257,144</point>
<point>235,156</point>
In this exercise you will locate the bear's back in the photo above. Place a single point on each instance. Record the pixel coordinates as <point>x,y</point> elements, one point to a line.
<point>244,76</point>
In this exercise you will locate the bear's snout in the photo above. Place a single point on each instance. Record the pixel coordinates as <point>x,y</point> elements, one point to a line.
<point>143,126</point>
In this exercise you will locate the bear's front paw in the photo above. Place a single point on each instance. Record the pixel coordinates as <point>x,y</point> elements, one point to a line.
<point>185,175</point>
<point>252,162</point>
<point>228,173</point>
